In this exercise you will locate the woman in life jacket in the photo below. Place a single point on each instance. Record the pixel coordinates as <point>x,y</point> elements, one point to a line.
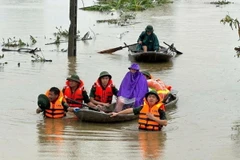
<point>75,93</point>
<point>151,116</point>
<point>103,90</point>
<point>53,104</point>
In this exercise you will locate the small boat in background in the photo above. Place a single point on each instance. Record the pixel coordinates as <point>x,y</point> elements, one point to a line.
<point>163,55</point>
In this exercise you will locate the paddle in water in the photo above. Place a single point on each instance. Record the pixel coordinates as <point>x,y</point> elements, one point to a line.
<point>111,50</point>
<point>174,49</point>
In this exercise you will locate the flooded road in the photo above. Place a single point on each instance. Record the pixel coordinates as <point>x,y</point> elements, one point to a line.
<point>204,124</point>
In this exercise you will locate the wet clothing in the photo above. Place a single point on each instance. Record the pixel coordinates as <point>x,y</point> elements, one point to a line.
<point>79,95</point>
<point>151,41</point>
<point>57,109</point>
<point>162,114</point>
<point>134,85</point>
<point>103,95</point>
<point>146,123</point>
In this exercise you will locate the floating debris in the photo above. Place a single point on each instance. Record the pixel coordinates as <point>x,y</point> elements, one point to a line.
<point>223,2</point>
<point>12,42</point>
<point>86,36</point>
<point>232,23</point>
<point>62,32</point>
<point>27,50</point>
<point>58,41</point>
<point>125,19</point>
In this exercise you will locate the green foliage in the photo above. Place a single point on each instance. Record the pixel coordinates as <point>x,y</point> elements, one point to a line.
<point>33,40</point>
<point>126,5</point>
<point>61,32</point>
<point>232,22</point>
<point>57,41</point>
<point>12,42</point>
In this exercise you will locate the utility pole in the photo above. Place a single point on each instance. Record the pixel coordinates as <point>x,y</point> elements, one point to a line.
<point>72,39</point>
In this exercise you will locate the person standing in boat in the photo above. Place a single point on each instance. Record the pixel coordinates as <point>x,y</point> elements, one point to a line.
<point>162,89</point>
<point>148,40</point>
<point>103,90</point>
<point>132,89</point>
<point>75,93</point>
<point>151,116</point>
<point>53,104</point>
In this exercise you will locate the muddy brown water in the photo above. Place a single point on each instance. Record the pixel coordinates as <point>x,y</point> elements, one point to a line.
<point>203,125</point>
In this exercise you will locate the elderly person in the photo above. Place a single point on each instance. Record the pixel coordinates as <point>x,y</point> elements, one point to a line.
<point>132,89</point>
<point>147,40</point>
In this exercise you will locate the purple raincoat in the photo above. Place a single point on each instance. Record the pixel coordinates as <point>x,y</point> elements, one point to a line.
<point>134,85</point>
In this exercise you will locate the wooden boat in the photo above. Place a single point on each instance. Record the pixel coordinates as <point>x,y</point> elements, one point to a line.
<point>163,55</point>
<point>88,115</point>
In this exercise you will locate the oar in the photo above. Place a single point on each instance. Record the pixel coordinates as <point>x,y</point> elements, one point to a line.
<point>115,49</point>
<point>95,109</point>
<point>178,52</point>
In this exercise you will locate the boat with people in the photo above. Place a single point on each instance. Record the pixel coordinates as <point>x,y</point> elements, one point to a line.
<point>163,55</point>
<point>88,115</point>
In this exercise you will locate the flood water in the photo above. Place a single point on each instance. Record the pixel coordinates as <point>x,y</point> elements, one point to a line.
<point>204,124</point>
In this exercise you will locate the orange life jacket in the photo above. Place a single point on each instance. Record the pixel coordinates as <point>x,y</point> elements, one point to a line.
<point>161,88</point>
<point>56,109</point>
<point>76,95</point>
<point>103,95</point>
<point>146,123</point>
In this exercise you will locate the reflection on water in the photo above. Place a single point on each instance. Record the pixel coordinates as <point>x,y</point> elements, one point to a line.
<point>151,144</point>
<point>54,141</point>
<point>72,65</point>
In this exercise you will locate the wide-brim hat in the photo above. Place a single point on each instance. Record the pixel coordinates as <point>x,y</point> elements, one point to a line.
<point>134,66</point>
<point>154,93</point>
<point>103,74</point>
<point>74,78</point>
<point>146,74</point>
<point>149,28</point>
<point>43,102</point>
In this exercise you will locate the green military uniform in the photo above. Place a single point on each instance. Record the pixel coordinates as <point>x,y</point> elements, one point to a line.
<point>102,74</point>
<point>151,41</point>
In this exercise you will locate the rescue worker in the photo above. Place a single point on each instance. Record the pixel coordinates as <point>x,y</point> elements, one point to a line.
<point>148,41</point>
<point>151,116</point>
<point>75,93</point>
<point>103,90</point>
<point>53,104</point>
